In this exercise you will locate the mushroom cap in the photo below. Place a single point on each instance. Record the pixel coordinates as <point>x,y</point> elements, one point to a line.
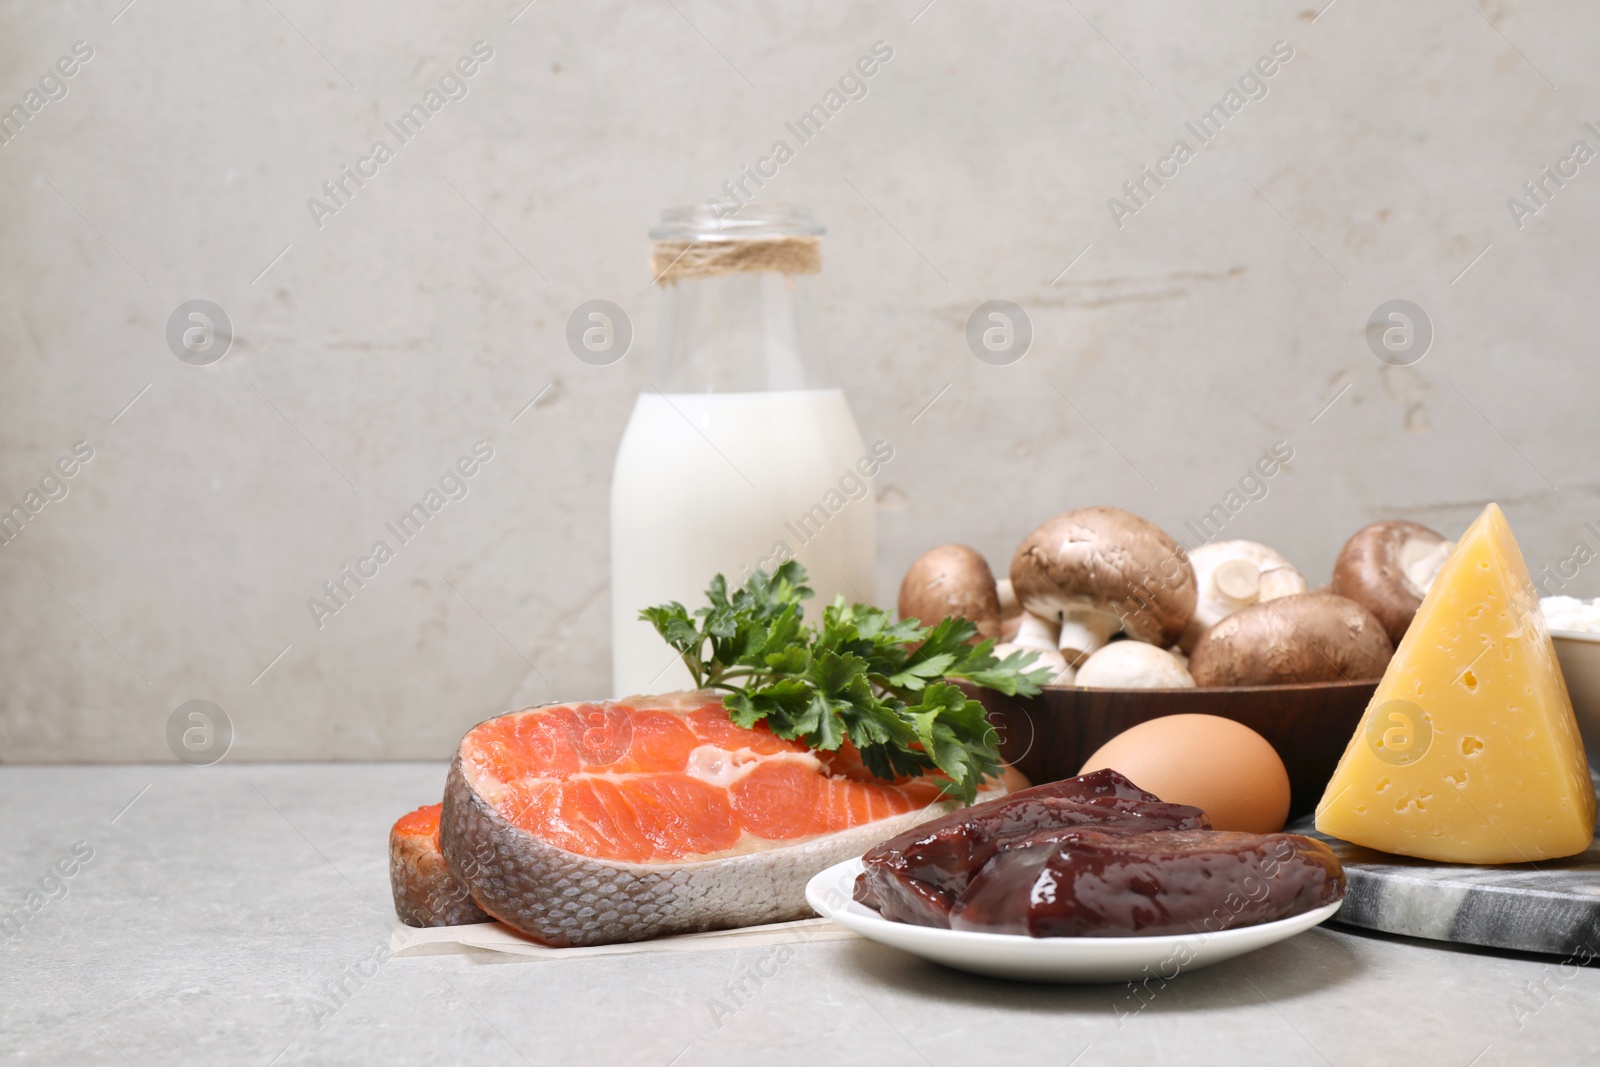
<point>1310,637</point>
<point>1110,560</point>
<point>1371,570</point>
<point>951,580</point>
<point>1133,665</point>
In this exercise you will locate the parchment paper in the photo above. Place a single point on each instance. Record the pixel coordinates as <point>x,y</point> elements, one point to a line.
<point>499,938</point>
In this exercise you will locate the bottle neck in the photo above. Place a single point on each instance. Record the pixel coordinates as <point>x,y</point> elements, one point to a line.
<point>739,332</point>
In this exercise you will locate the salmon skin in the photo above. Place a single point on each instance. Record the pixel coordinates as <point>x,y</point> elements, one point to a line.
<point>426,893</point>
<point>595,823</point>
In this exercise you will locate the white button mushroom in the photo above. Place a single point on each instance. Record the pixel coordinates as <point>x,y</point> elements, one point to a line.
<point>1231,575</point>
<point>1099,570</point>
<point>1133,665</point>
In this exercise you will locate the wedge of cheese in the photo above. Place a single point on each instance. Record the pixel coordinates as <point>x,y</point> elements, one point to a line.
<point>1469,752</point>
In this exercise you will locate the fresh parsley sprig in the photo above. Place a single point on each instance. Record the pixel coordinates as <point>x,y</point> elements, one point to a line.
<point>861,675</point>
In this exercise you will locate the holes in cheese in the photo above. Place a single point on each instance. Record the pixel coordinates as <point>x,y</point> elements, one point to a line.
<point>1469,752</point>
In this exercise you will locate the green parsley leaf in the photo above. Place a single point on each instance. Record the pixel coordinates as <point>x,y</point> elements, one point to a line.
<point>883,684</point>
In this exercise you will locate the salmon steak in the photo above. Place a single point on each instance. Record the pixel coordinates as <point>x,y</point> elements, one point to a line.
<point>426,893</point>
<point>594,823</point>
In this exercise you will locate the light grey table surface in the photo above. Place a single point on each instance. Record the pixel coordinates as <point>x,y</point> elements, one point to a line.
<point>223,907</point>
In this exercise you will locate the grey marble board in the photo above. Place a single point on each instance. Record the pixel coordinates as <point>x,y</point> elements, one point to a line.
<point>1553,906</point>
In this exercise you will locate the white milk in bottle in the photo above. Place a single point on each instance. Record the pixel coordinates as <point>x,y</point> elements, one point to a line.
<point>740,452</point>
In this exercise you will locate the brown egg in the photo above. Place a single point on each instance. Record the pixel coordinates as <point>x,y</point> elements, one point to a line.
<point>1220,766</point>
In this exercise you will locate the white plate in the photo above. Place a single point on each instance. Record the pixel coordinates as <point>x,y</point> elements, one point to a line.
<point>1047,959</point>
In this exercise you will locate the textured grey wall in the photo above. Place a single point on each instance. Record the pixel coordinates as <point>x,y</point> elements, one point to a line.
<point>375,345</point>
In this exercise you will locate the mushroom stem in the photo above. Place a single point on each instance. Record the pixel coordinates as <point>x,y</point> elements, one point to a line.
<point>1083,632</point>
<point>1035,633</point>
<point>1239,580</point>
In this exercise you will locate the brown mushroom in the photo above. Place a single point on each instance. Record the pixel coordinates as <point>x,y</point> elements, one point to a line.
<point>951,580</point>
<point>1387,568</point>
<point>1310,637</point>
<point>1099,570</point>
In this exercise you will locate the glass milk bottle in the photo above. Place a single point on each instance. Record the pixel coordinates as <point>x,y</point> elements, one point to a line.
<point>741,452</point>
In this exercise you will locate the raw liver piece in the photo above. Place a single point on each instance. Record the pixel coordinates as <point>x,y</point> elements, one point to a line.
<point>917,876</point>
<point>1093,884</point>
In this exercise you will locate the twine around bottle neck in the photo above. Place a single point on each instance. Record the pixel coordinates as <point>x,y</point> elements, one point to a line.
<point>672,260</point>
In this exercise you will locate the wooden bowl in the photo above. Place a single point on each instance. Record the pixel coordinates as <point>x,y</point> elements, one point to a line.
<point>1049,736</point>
